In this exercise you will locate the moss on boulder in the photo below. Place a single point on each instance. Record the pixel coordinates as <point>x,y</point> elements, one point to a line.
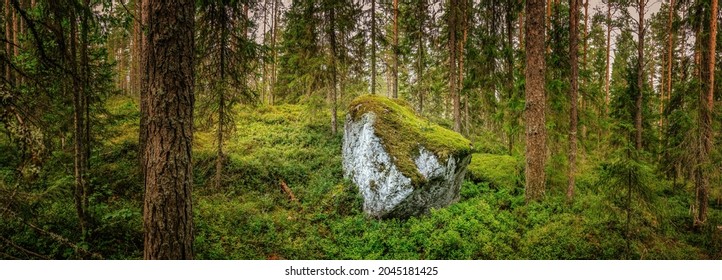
<point>402,133</point>
<point>403,165</point>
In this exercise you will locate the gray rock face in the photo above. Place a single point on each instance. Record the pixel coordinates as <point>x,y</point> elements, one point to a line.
<point>386,191</point>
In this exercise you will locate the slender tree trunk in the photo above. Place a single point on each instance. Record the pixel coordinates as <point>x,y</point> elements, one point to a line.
<point>221,98</point>
<point>510,68</point>
<point>421,13</point>
<point>453,60</point>
<point>264,77</point>
<point>641,4</point>
<point>16,49</point>
<point>395,77</point>
<point>534,112</point>
<point>706,108</point>
<point>373,47</point>
<point>274,53</point>
<point>463,20</point>
<point>607,68</point>
<point>168,85</point>
<point>78,127</point>
<point>86,91</point>
<point>670,45</point>
<point>627,235</point>
<point>582,99</point>
<point>8,38</point>
<point>573,47</point>
<point>332,40</point>
<point>136,50</point>
<point>142,57</point>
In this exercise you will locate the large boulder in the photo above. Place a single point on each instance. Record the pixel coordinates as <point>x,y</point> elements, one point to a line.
<point>402,164</point>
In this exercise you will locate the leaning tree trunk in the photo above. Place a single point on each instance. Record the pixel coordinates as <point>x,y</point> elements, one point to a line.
<point>534,113</point>
<point>168,85</point>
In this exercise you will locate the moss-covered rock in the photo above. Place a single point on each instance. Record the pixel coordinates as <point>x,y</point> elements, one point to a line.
<point>501,171</point>
<point>402,133</point>
<point>403,164</point>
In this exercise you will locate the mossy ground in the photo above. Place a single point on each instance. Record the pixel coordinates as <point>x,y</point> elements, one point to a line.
<point>252,218</point>
<point>402,133</point>
<point>500,171</point>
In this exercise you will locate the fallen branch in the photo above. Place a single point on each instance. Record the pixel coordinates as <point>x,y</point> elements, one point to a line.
<point>288,191</point>
<point>21,249</point>
<point>8,257</point>
<point>55,237</point>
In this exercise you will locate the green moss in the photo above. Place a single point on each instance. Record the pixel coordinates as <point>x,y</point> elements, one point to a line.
<point>402,132</point>
<point>501,171</point>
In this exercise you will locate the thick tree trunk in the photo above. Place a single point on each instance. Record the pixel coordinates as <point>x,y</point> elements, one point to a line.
<point>534,112</point>
<point>168,85</point>
<point>573,41</point>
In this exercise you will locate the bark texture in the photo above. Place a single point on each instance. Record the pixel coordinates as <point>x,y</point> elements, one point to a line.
<point>168,86</point>
<point>534,112</point>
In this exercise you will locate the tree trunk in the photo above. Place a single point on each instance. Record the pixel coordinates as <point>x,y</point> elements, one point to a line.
<point>573,41</point>
<point>8,38</point>
<point>534,112</point>
<point>706,107</point>
<point>168,85</point>
<point>274,31</point>
<point>640,74</point>
<point>453,48</point>
<point>607,68</point>
<point>463,21</point>
<point>373,47</point>
<point>395,73</point>
<point>670,45</point>
<point>421,13</point>
<point>262,61</point>
<point>332,41</point>
<point>582,99</point>
<point>137,48</point>
<point>142,57</point>
<point>221,98</point>
<point>510,68</point>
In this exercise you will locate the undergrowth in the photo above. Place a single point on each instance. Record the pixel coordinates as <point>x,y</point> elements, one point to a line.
<point>251,217</point>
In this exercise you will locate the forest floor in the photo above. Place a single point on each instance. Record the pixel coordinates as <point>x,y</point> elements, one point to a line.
<point>252,217</point>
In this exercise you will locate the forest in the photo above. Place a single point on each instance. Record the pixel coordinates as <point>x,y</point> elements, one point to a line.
<point>213,129</point>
